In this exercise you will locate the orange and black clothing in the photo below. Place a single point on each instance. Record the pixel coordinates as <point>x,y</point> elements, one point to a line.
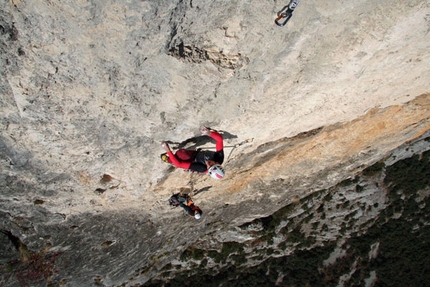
<point>188,205</point>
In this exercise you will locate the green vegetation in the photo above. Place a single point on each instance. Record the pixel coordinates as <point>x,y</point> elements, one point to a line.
<point>409,175</point>
<point>227,249</point>
<point>404,253</point>
<point>192,253</point>
<point>349,182</point>
<point>374,169</point>
<point>359,188</point>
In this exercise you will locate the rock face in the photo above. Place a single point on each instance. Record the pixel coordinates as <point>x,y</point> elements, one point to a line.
<point>89,89</point>
<point>371,229</point>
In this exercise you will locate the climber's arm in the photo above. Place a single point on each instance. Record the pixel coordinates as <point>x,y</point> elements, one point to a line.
<point>216,136</point>
<point>177,162</point>
<point>219,140</point>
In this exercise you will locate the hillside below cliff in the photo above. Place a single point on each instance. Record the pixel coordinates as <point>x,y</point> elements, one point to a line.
<point>333,104</point>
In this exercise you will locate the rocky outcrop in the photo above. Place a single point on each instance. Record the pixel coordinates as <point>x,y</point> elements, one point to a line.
<point>194,54</point>
<point>89,89</point>
<point>365,230</point>
<point>344,191</point>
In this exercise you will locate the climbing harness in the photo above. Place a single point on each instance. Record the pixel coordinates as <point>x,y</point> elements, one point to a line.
<point>164,156</point>
<point>286,13</point>
<point>233,147</point>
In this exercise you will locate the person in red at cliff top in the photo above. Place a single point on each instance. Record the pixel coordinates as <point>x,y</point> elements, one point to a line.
<point>203,161</point>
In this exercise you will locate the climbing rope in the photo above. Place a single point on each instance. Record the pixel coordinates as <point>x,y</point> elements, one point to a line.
<point>236,146</point>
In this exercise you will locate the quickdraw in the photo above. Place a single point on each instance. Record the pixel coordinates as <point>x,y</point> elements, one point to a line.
<point>286,13</point>
<point>237,145</point>
<point>233,147</point>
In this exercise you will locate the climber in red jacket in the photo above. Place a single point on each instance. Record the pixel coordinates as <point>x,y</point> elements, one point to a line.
<point>203,161</point>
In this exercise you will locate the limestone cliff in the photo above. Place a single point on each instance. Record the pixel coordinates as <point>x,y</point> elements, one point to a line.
<point>368,230</point>
<point>90,88</point>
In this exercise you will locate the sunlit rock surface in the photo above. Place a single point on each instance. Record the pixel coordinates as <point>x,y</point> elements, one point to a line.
<point>89,89</point>
<point>371,229</point>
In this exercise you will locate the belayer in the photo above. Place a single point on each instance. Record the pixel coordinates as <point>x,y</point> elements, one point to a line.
<point>187,204</point>
<point>202,161</point>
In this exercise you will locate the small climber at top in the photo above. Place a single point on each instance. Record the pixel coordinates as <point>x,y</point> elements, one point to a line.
<point>202,161</point>
<point>286,13</point>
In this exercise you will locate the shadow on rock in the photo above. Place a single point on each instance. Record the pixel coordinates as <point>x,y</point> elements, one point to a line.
<point>201,190</point>
<point>199,141</point>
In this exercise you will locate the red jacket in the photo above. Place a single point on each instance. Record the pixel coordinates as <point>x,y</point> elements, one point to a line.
<point>197,163</point>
